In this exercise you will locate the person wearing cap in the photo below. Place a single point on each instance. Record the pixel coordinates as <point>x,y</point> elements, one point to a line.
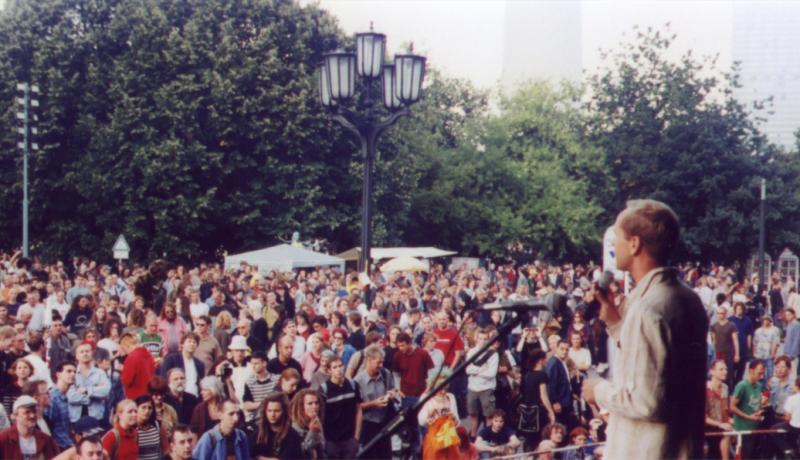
<point>23,440</point>
<point>766,340</point>
<point>92,386</point>
<point>236,370</point>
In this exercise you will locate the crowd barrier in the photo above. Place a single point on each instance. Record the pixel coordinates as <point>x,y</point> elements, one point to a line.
<point>532,454</point>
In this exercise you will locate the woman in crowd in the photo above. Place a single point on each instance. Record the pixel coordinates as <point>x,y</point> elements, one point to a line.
<point>275,437</point>
<point>165,414</point>
<point>98,320</point>
<point>288,383</point>
<point>112,330</point>
<point>20,371</point>
<point>535,409</point>
<point>222,328</point>
<point>151,437</point>
<point>120,442</point>
<point>307,414</point>
<point>391,345</point>
<point>209,411</point>
<point>136,318</point>
<point>438,415</point>
<point>303,325</point>
<point>310,361</point>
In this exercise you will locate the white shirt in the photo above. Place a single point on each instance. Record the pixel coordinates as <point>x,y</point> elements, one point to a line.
<point>792,407</point>
<point>580,357</point>
<point>61,308</point>
<point>298,350</point>
<point>40,370</point>
<point>109,345</point>
<point>198,309</point>
<point>190,371</point>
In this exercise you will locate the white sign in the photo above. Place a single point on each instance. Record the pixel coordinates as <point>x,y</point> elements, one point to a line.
<point>121,248</point>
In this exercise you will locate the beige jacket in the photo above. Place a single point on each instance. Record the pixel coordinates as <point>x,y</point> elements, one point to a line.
<point>657,397</point>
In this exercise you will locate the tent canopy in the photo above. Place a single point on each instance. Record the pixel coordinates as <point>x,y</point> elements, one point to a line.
<point>283,257</point>
<point>391,253</point>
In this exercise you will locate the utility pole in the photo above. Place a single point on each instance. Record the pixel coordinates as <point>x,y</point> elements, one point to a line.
<point>761,268</point>
<point>27,130</point>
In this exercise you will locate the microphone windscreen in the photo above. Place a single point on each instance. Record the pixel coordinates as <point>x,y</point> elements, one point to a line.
<point>606,278</point>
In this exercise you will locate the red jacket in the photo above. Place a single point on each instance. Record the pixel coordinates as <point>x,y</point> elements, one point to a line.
<point>127,448</point>
<point>9,444</point>
<point>138,370</point>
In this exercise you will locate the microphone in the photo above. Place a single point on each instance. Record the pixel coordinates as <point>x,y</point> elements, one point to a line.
<point>521,305</point>
<point>606,278</point>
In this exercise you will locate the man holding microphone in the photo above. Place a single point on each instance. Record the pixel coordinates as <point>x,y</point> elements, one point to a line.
<point>656,399</point>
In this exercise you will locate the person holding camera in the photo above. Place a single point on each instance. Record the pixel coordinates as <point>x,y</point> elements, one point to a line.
<point>379,398</point>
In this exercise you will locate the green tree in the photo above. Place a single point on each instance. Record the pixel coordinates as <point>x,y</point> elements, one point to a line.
<point>521,177</point>
<point>191,126</point>
<point>673,131</point>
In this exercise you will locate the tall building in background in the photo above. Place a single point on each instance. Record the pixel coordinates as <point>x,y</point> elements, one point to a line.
<point>766,42</point>
<point>542,41</point>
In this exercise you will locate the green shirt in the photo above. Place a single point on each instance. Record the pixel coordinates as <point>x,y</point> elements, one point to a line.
<point>153,343</point>
<point>749,397</point>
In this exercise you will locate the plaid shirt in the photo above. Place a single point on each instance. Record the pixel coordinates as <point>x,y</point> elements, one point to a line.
<point>58,413</point>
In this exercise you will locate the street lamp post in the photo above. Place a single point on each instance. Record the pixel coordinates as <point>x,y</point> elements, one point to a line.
<point>401,83</point>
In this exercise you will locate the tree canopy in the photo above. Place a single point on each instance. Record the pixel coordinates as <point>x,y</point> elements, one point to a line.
<point>193,128</point>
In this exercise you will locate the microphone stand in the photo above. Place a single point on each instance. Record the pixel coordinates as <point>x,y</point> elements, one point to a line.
<point>408,416</point>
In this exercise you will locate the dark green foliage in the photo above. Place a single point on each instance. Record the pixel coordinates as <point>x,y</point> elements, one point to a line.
<point>674,132</point>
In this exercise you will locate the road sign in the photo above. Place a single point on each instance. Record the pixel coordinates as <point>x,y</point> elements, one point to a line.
<point>121,248</point>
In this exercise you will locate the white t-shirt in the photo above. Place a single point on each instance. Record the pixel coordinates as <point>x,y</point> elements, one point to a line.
<point>109,345</point>
<point>580,357</point>
<point>190,371</point>
<point>61,308</point>
<point>792,407</point>
<point>198,309</point>
<point>28,447</point>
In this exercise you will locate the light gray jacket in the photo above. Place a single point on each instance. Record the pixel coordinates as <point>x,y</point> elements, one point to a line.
<point>657,397</point>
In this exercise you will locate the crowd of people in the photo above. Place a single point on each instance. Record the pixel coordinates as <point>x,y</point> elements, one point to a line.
<point>200,362</point>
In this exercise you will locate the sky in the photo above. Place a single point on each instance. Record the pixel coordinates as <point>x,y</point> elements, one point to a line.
<point>465,38</point>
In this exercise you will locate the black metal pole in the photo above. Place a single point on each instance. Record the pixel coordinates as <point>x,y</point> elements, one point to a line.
<point>761,267</point>
<point>366,203</point>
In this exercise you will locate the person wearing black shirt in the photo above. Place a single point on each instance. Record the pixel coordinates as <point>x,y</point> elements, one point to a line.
<point>181,401</point>
<point>284,359</point>
<point>79,315</point>
<point>275,437</point>
<point>535,408</point>
<point>356,337</point>
<point>343,411</point>
<point>497,438</point>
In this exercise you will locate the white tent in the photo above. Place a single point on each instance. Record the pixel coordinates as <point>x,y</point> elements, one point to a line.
<point>283,258</point>
<point>391,253</point>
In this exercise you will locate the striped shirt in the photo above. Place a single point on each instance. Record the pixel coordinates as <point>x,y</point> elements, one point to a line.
<point>256,390</point>
<point>149,443</point>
